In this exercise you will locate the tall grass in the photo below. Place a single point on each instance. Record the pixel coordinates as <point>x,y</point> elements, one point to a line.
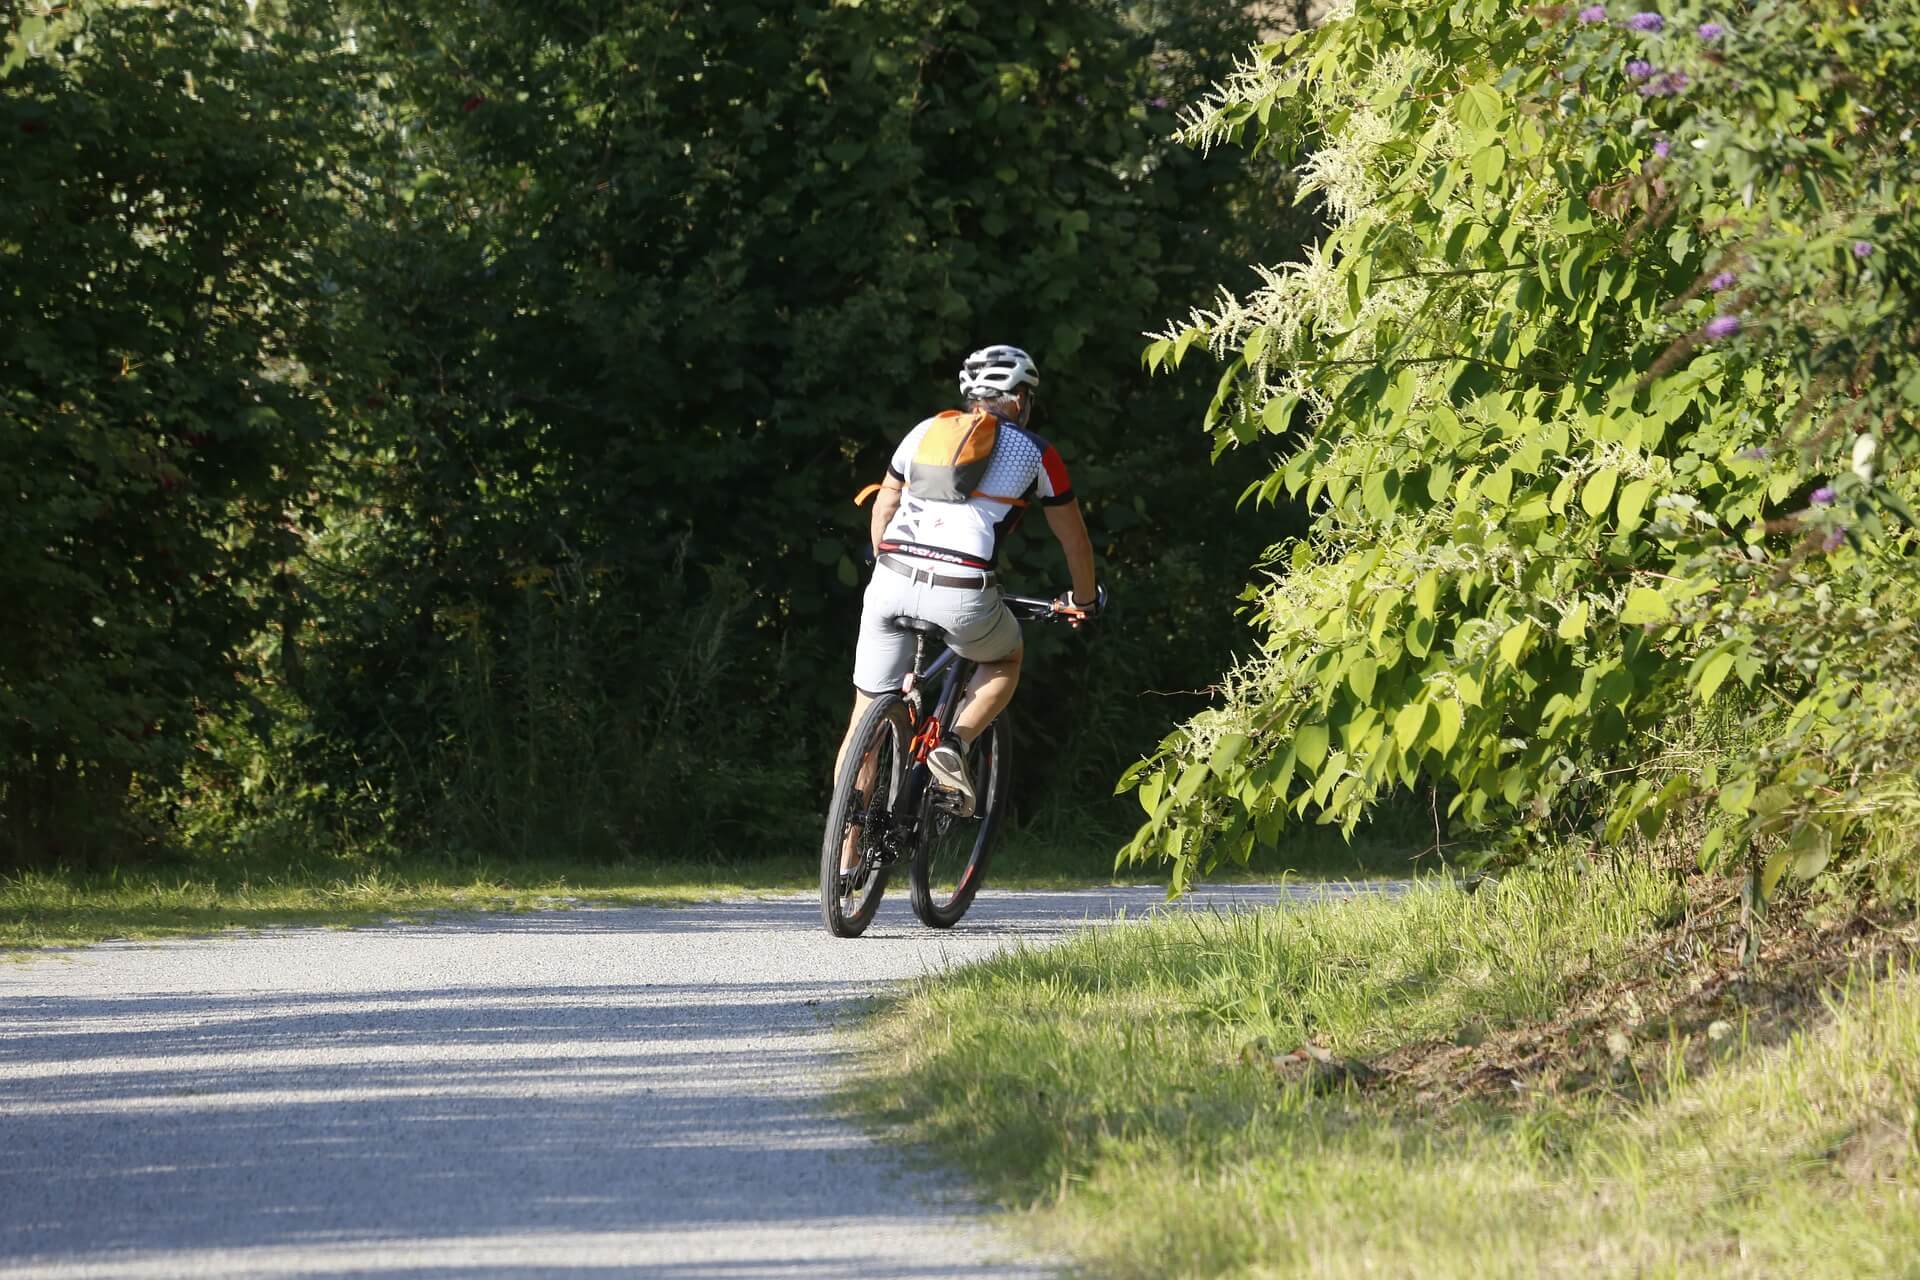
<point>534,720</point>
<point>1123,1089</point>
<point>585,731</point>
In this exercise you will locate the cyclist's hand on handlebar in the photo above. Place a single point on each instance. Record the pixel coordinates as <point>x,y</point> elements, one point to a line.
<point>1081,612</point>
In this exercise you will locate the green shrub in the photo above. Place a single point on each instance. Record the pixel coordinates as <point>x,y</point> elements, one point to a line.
<point>1602,388</point>
<point>162,257</point>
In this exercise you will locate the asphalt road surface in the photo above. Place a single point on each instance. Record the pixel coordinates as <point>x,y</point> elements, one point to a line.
<point>632,1092</point>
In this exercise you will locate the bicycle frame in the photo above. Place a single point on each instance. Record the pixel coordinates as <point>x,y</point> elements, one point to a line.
<point>929,726</point>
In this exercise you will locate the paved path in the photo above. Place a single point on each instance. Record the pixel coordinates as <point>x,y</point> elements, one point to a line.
<point>633,1092</point>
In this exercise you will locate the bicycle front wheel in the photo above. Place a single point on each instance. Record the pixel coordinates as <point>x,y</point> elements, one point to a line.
<point>860,826</point>
<point>950,856</point>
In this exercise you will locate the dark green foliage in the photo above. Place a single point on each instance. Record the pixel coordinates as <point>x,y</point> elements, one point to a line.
<point>664,286</point>
<point>604,316</point>
<point>159,296</point>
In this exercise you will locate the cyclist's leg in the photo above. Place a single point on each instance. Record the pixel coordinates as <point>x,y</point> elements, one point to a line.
<point>988,694</point>
<point>861,701</point>
<point>882,655</point>
<point>850,847</point>
<point>989,636</point>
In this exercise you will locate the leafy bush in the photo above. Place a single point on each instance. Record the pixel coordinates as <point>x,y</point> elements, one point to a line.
<point>161,249</point>
<point>1603,388</point>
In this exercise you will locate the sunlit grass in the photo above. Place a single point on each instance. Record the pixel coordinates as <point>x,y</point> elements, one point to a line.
<point>1121,1089</point>
<point>211,893</point>
<point>208,891</point>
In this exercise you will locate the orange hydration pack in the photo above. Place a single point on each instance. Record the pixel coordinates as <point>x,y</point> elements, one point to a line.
<point>952,456</point>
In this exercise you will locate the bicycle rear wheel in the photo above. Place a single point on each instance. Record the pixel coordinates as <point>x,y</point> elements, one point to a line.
<point>950,857</point>
<point>861,811</point>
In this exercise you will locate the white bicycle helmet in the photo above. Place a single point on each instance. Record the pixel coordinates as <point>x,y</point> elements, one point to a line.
<point>997,371</point>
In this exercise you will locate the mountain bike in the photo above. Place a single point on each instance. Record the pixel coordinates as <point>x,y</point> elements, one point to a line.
<point>886,800</point>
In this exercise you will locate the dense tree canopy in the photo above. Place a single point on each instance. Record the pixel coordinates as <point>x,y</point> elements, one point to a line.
<point>476,395</point>
<point>167,200</point>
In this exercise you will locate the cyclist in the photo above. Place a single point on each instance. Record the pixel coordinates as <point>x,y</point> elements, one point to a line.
<point>956,486</point>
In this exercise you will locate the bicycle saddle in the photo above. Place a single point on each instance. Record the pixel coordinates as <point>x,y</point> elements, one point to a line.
<point>925,628</point>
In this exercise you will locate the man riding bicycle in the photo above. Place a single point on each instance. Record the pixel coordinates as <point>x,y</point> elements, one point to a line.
<point>956,486</point>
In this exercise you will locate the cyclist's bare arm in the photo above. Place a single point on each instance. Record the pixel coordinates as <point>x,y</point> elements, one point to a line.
<point>885,503</point>
<point>1071,529</point>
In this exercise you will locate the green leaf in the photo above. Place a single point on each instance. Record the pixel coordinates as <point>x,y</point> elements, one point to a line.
<point>1644,605</point>
<point>1277,414</point>
<point>1488,164</point>
<point>1775,868</point>
<point>1736,797</point>
<point>1713,672</point>
<point>1498,487</point>
<point>1708,856</point>
<point>1573,623</point>
<point>1227,751</point>
<point>1633,501</point>
<point>1419,636</point>
<point>1426,593</point>
<point>1514,643</point>
<point>1360,677</point>
<point>1191,779</point>
<point>1479,108</point>
<point>1597,494</point>
<point>1149,793</point>
<point>1310,744</point>
<point>1809,849</point>
<point>1409,723</point>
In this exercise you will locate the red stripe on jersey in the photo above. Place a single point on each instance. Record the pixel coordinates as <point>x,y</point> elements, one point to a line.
<point>1056,468</point>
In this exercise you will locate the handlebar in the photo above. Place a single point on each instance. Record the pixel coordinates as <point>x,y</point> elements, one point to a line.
<point>1032,608</point>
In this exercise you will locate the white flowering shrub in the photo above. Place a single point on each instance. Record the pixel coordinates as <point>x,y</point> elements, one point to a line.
<point>1602,390</point>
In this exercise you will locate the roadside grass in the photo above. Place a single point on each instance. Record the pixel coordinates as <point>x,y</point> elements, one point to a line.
<point>1137,1093</point>
<point>263,884</point>
<point>211,892</point>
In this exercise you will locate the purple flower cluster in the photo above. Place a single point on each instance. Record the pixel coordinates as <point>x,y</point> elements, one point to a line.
<point>1756,454</point>
<point>1833,540</point>
<point>1594,13</point>
<point>1821,497</point>
<point>1665,85</point>
<point>1861,249</point>
<point>1722,326</point>
<point>1710,31</point>
<point>1661,147</point>
<point>1724,280</point>
<point>1639,69</point>
<point>1648,22</point>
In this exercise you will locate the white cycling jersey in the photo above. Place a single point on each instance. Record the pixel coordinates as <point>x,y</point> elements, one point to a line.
<point>1023,468</point>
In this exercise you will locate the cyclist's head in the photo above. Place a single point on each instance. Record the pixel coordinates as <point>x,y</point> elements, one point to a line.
<point>1002,379</point>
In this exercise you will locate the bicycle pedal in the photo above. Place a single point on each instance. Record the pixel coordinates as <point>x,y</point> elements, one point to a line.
<point>952,803</point>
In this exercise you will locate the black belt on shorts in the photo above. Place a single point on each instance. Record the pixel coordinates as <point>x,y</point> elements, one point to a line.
<point>979,583</point>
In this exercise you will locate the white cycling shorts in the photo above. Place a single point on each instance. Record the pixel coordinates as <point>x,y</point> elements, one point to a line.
<point>979,627</point>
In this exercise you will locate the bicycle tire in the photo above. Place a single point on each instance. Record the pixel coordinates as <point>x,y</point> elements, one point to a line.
<point>950,853</point>
<point>885,730</point>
